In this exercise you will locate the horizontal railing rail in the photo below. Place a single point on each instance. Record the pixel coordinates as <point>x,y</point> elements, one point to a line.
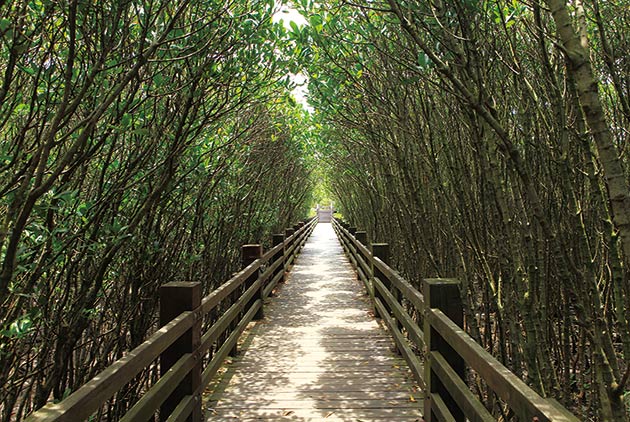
<point>189,358</point>
<point>427,329</point>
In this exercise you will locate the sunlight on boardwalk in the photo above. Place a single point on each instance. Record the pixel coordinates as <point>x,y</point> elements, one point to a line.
<point>319,354</point>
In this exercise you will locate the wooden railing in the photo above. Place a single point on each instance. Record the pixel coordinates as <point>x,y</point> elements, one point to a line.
<point>430,323</point>
<point>189,358</point>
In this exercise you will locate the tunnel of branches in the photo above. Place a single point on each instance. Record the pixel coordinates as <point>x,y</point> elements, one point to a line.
<point>144,141</point>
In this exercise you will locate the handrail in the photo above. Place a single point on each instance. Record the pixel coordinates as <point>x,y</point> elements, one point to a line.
<point>253,283</point>
<point>446,346</point>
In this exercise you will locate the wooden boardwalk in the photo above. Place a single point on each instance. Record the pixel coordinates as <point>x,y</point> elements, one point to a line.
<point>319,354</point>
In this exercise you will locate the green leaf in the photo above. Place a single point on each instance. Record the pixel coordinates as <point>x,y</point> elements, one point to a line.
<point>423,60</point>
<point>4,24</point>
<point>22,108</point>
<point>316,22</point>
<point>29,70</point>
<point>126,120</point>
<point>295,27</point>
<point>18,328</point>
<point>83,209</point>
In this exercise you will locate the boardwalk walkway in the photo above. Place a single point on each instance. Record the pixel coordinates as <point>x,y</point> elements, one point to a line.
<point>319,354</point>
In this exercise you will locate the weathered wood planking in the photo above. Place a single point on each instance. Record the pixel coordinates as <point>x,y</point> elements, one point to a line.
<point>319,354</point>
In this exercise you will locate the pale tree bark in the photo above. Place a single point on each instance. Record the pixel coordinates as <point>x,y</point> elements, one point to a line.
<point>576,49</point>
<point>579,66</point>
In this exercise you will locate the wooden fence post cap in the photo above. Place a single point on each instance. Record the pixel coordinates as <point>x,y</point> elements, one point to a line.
<point>252,246</point>
<point>361,237</point>
<point>179,284</point>
<point>441,281</point>
<point>436,288</point>
<point>444,294</point>
<point>379,248</point>
<point>251,252</point>
<point>277,238</point>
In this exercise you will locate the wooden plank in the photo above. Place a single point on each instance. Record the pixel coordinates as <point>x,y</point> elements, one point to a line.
<point>326,341</point>
<point>440,409</point>
<point>333,379</point>
<point>467,401</point>
<point>412,360</point>
<point>319,395</point>
<point>322,413</point>
<point>272,252</point>
<point>520,397</point>
<point>332,348</point>
<point>363,267</point>
<point>413,330</point>
<point>81,404</point>
<point>413,295</point>
<point>216,296</point>
<point>329,346</point>
<point>274,282</point>
<point>222,353</point>
<point>327,418</point>
<point>349,351</point>
<point>273,267</point>
<point>209,302</point>
<point>255,388</point>
<point>147,406</point>
<point>183,410</point>
<point>213,333</point>
<point>374,342</point>
<point>410,293</point>
<point>329,365</point>
<point>364,279</point>
<point>344,365</point>
<point>319,404</point>
<point>277,333</point>
<point>355,244</point>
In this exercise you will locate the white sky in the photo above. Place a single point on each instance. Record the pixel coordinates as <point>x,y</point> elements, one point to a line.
<point>286,14</point>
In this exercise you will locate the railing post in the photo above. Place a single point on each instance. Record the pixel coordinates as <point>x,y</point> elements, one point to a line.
<point>381,251</point>
<point>277,240</point>
<point>299,227</point>
<point>361,236</point>
<point>249,254</point>
<point>175,298</point>
<point>287,259</point>
<point>442,294</point>
<point>287,234</point>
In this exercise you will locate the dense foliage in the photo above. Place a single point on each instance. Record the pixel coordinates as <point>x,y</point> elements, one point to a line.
<point>141,142</point>
<point>488,141</point>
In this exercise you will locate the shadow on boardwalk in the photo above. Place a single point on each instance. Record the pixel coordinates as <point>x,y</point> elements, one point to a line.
<point>319,354</point>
